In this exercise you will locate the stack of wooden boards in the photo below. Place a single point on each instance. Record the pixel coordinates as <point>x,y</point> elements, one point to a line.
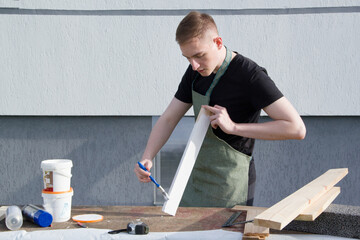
<point>305,204</point>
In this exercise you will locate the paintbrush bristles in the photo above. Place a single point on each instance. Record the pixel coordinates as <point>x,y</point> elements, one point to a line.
<point>166,196</point>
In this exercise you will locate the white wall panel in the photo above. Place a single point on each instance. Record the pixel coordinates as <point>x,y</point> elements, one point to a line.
<point>65,60</point>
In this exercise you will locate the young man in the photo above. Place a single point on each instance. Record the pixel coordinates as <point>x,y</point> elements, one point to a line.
<point>234,89</point>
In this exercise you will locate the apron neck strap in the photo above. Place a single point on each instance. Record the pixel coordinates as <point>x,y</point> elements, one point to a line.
<point>220,72</point>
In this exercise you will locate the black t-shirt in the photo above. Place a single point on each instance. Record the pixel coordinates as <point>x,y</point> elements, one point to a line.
<point>244,89</point>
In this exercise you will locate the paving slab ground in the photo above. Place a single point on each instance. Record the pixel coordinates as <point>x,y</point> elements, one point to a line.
<point>336,220</point>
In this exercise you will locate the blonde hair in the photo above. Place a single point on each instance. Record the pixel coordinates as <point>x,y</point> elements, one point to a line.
<point>195,24</point>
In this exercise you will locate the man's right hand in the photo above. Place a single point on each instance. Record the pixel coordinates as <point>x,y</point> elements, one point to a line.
<point>142,175</point>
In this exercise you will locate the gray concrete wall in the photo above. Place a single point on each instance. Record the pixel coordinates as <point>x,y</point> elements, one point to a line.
<point>105,149</point>
<point>285,166</point>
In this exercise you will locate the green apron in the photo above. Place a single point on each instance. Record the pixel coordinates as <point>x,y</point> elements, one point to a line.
<point>220,174</point>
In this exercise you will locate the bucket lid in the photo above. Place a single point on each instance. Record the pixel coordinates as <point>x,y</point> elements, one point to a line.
<point>88,218</point>
<point>55,164</point>
<point>44,191</point>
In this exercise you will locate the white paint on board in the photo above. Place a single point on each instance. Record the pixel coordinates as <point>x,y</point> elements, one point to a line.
<point>187,163</point>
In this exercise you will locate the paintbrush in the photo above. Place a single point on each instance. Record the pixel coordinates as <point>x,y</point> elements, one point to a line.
<point>166,196</point>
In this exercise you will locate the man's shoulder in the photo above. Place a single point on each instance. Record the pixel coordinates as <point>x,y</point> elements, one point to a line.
<point>243,60</point>
<point>246,65</point>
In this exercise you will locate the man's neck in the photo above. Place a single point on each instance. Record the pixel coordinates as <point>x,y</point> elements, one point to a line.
<point>222,55</point>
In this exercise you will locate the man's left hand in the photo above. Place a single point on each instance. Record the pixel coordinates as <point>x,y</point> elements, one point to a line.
<point>220,118</point>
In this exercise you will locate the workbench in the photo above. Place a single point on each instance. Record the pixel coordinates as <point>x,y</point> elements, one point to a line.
<point>117,217</point>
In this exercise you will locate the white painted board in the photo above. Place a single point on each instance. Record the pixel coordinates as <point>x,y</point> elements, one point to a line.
<point>187,162</point>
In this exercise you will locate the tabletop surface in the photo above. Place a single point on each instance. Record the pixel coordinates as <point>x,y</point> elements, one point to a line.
<point>117,217</point>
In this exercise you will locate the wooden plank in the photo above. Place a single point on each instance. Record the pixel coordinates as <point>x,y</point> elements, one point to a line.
<point>187,162</point>
<point>252,231</point>
<point>316,208</point>
<point>253,237</point>
<point>279,215</point>
<point>246,208</point>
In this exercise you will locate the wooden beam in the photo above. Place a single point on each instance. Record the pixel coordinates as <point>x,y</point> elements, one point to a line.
<point>252,231</point>
<point>187,162</point>
<point>280,214</point>
<point>316,208</point>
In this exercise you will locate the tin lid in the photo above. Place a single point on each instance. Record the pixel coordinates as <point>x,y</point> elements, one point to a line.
<point>43,218</point>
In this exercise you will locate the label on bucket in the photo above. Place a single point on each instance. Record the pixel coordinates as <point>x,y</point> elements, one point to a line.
<point>48,180</point>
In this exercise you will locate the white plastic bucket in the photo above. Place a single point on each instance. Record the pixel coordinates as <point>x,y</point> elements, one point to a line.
<point>58,204</point>
<point>57,174</point>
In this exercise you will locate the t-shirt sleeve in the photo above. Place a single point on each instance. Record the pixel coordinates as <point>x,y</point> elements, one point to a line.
<point>184,90</point>
<point>263,90</point>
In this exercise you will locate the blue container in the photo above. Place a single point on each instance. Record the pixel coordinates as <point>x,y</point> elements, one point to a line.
<point>37,215</point>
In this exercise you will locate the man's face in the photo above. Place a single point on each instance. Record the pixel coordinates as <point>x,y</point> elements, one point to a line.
<point>203,54</point>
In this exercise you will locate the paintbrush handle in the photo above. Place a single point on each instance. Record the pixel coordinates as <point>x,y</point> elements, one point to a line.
<point>152,179</point>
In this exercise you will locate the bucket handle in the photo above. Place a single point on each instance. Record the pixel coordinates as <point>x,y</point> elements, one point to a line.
<point>64,174</point>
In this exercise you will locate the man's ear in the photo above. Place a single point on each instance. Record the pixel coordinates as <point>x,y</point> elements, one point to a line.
<point>218,41</point>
